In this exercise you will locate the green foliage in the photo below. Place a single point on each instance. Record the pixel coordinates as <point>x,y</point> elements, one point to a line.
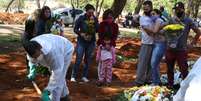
<point>107,4</point>
<point>168,4</point>
<point>16,4</point>
<point>120,97</point>
<point>130,5</point>
<point>4,3</point>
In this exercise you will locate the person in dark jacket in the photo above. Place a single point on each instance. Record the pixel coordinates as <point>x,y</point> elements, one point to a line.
<point>86,27</point>
<point>45,21</point>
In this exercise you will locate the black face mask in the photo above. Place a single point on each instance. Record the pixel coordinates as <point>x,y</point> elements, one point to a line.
<point>147,13</point>
<point>179,14</point>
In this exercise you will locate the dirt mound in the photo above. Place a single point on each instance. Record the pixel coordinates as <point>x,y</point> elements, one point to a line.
<point>12,18</point>
<point>129,50</point>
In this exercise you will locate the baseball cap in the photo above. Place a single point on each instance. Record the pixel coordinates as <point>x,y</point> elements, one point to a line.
<point>178,5</point>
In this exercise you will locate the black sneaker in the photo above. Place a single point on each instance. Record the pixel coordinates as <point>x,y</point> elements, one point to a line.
<point>66,98</point>
<point>99,84</point>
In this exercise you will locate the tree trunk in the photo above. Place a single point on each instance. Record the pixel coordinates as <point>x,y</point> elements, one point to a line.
<point>9,5</point>
<point>189,7</point>
<point>138,7</point>
<point>38,3</point>
<point>117,7</point>
<point>99,7</point>
<point>196,8</point>
<point>19,5</point>
<point>44,2</point>
<point>78,4</point>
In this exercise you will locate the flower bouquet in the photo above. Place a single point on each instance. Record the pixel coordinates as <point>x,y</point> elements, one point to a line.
<point>89,30</point>
<point>177,78</point>
<point>148,93</point>
<point>172,33</point>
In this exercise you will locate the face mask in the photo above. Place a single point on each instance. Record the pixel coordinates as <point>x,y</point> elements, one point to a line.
<point>40,57</point>
<point>110,19</point>
<point>179,14</point>
<point>147,13</point>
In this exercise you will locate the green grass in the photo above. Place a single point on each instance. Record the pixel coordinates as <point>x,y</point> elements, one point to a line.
<point>123,58</point>
<point>134,34</point>
<point>7,38</point>
<point>9,43</point>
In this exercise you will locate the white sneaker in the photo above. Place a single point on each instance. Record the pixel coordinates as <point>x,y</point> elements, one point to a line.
<point>85,79</point>
<point>72,80</point>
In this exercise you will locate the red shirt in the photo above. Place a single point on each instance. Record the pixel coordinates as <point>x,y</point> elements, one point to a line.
<point>103,29</point>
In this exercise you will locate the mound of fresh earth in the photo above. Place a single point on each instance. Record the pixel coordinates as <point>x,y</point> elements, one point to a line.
<point>12,18</point>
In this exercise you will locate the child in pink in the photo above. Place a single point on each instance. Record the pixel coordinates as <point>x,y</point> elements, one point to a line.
<point>106,58</point>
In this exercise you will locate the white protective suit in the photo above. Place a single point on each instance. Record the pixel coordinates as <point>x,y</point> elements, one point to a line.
<point>57,57</point>
<point>191,86</point>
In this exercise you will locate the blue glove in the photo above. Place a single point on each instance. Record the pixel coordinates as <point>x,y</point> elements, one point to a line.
<point>45,96</point>
<point>32,71</point>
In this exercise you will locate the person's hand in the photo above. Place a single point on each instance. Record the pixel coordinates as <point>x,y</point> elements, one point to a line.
<point>32,72</point>
<point>82,34</point>
<point>45,96</point>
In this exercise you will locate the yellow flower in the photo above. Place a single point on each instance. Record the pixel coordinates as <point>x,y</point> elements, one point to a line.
<point>173,27</point>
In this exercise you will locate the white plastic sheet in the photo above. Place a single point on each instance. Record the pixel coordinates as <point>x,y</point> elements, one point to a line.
<point>191,86</point>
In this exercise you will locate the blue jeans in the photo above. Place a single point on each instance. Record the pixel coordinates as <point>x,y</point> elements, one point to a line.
<point>83,49</point>
<point>157,54</point>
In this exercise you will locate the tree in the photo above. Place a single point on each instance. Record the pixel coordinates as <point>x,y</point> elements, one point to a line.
<point>196,8</point>
<point>78,3</point>
<point>44,2</point>
<point>99,7</point>
<point>130,5</point>
<point>9,5</point>
<point>38,3</point>
<point>193,8</point>
<point>138,7</point>
<point>117,7</point>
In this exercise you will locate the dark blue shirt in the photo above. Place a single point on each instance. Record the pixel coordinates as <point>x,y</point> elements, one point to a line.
<point>188,25</point>
<point>81,26</point>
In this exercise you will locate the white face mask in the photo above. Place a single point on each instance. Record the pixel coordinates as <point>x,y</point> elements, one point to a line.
<point>40,57</point>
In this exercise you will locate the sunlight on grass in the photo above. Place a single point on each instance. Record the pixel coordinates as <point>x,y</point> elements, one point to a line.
<point>4,38</point>
<point>130,34</point>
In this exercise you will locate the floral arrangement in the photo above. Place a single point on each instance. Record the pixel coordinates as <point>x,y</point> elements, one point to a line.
<point>177,78</point>
<point>173,30</point>
<point>148,93</point>
<point>172,33</point>
<point>56,29</point>
<point>173,27</point>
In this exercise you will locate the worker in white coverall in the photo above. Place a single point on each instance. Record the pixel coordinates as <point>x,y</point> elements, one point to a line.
<point>191,86</point>
<point>54,52</point>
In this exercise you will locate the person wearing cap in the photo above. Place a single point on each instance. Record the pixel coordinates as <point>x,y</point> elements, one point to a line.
<point>179,54</point>
<point>86,27</point>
